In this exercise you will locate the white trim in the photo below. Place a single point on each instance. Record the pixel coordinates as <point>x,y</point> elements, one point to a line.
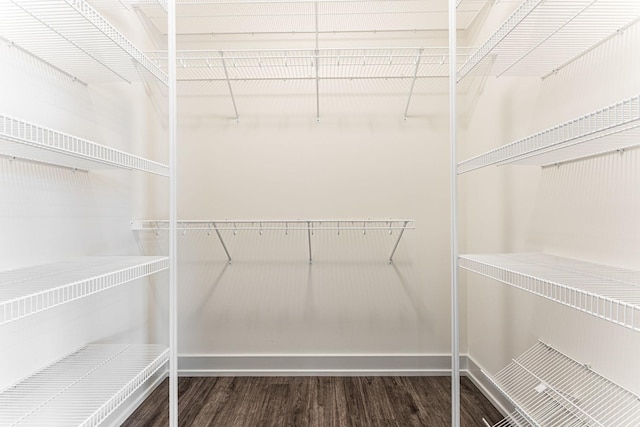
<point>196,365</point>
<point>475,373</point>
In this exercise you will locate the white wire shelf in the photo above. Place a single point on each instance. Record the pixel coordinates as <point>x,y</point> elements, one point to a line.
<point>610,293</point>
<point>514,419</point>
<point>72,36</point>
<point>299,17</point>
<point>227,68</point>
<point>22,139</point>
<point>310,226</point>
<point>550,389</point>
<point>30,290</point>
<point>82,389</point>
<point>613,128</point>
<point>310,64</point>
<point>543,36</point>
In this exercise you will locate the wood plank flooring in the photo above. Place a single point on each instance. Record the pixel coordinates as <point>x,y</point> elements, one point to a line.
<point>314,401</point>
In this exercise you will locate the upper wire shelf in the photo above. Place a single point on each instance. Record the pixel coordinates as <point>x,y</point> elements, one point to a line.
<point>82,389</point>
<point>300,64</point>
<point>26,140</point>
<point>298,17</point>
<point>612,128</point>
<point>549,388</point>
<point>610,293</point>
<point>72,36</point>
<point>310,226</point>
<point>543,36</point>
<point>30,290</point>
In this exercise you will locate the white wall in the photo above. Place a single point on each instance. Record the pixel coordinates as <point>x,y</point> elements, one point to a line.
<point>585,210</point>
<point>49,213</point>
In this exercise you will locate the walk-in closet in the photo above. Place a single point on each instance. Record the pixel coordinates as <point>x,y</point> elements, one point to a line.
<point>319,213</point>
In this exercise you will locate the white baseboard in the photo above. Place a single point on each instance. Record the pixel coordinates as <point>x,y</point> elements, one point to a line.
<point>475,373</point>
<point>190,365</point>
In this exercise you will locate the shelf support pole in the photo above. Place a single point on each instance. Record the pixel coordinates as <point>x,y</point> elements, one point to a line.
<point>226,75</point>
<point>316,52</point>
<point>224,246</point>
<point>309,239</point>
<point>455,332</point>
<point>397,242</point>
<point>413,81</point>
<point>173,216</point>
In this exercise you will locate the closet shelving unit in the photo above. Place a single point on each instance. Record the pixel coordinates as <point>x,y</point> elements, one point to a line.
<point>539,39</point>
<point>283,227</point>
<point>88,385</point>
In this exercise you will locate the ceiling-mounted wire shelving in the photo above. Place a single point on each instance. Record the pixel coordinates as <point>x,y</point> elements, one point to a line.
<point>543,36</point>
<point>299,17</point>
<point>549,388</point>
<point>72,36</point>
<point>613,128</point>
<point>30,290</point>
<point>308,226</point>
<point>82,389</point>
<point>200,68</point>
<point>25,140</point>
<point>609,293</point>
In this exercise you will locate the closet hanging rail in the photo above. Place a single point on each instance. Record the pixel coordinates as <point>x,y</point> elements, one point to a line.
<point>25,140</point>
<point>30,290</point>
<point>82,389</point>
<point>550,389</point>
<point>613,128</point>
<point>542,36</point>
<point>261,226</point>
<point>72,36</point>
<point>609,293</point>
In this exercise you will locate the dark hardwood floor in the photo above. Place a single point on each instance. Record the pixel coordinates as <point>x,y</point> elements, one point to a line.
<point>315,401</point>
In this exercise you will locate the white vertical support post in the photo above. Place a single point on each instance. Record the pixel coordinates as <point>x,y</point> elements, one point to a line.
<point>173,229</point>
<point>315,14</point>
<point>455,333</point>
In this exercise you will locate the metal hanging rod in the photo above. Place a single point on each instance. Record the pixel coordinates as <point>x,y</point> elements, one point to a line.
<point>310,226</point>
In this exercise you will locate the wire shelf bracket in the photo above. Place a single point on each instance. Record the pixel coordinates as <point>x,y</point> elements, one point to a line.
<point>22,139</point>
<point>83,388</point>
<point>613,128</point>
<point>286,226</point>
<point>609,293</point>
<point>31,290</point>
<point>549,388</point>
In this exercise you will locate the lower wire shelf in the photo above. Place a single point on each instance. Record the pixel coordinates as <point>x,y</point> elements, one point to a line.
<point>514,419</point>
<point>549,388</point>
<point>30,290</point>
<point>609,293</point>
<point>82,389</point>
